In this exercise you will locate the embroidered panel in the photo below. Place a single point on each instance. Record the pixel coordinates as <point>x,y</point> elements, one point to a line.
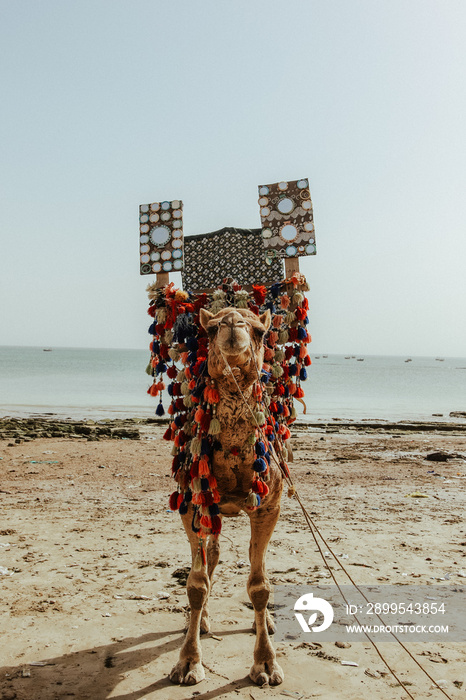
<point>229,252</point>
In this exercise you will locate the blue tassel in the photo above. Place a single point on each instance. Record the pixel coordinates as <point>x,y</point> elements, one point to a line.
<point>306,321</point>
<point>302,335</point>
<point>183,508</point>
<point>182,457</point>
<point>192,344</point>
<point>260,465</point>
<point>287,392</point>
<point>188,496</point>
<point>279,408</point>
<point>178,421</point>
<point>267,457</point>
<point>260,448</point>
<point>170,389</point>
<point>192,357</point>
<point>198,390</point>
<point>214,509</point>
<point>303,374</point>
<point>204,484</point>
<point>293,370</point>
<point>152,328</point>
<point>155,347</point>
<point>160,411</point>
<point>296,350</point>
<point>161,368</point>
<point>270,305</point>
<point>275,290</point>
<point>205,446</point>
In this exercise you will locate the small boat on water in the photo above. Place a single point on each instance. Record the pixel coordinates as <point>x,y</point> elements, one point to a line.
<point>408,360</point>
<point>360,359</point>
<point>440,359</point>
<point>324,355</point>
<point>47,349</point>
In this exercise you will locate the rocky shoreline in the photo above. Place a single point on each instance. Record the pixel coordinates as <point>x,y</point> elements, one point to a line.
<point>27,429</point>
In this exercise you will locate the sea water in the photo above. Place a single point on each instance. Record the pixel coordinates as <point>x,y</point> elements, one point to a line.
<point>98,383</point>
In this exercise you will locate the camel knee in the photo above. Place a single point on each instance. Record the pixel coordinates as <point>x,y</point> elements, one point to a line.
<point>197,588</point>
<point>259,593</point>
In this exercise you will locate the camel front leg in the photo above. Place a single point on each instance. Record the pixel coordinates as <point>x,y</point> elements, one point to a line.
<point>213,554</point>
<point>189,669</point>
<point>265,668</point>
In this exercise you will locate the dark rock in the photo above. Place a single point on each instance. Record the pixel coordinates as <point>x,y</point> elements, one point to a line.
<point>83,430</point>
<point>438,457</point>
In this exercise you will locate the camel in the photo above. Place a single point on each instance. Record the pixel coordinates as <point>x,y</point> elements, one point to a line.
<point>235,356</point>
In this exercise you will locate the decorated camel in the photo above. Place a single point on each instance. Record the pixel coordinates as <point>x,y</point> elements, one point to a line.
<point>231,406</point>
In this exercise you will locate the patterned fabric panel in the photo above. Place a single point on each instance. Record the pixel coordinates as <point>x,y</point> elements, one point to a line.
<point>231,252</point>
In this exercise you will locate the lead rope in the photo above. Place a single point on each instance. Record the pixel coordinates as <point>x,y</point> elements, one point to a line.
<point>292,491</point>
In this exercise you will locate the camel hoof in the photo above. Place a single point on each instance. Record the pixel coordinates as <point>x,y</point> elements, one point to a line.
<point>263,674</point>
<point>187,673</point>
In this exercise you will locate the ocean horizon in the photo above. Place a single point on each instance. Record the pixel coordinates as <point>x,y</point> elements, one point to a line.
<point>99,383</point>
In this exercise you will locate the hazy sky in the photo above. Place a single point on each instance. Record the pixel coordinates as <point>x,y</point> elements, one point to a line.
<point>107,104</point>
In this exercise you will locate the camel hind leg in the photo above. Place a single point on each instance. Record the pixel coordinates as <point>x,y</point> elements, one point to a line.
<point>265,668</point>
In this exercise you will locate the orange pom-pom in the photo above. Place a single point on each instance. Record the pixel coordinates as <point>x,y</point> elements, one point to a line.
<point>199,415</point>
<point>204,469</point>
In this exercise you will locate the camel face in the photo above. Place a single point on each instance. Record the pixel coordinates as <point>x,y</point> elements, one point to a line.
<point>234,331</point>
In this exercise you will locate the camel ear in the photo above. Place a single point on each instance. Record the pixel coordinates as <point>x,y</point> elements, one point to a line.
<point>204,317</point>
<point>266,319</point>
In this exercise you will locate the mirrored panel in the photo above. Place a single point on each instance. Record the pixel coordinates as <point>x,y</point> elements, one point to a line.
<point>287,217</point>
<point>161,234</point>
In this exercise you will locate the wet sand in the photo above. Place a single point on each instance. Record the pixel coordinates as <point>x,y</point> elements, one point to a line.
<point>95,606</point>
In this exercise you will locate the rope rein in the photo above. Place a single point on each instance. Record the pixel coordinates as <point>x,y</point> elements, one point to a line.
<point>292,492</point>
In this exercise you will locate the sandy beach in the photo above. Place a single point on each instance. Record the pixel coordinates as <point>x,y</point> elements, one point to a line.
<point>93,599</point>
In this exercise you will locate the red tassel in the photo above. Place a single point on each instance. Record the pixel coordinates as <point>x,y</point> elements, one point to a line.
<point>167,434</point>
<point>205,422</point>
<point>206,521</point>
<point>216,524</point>
<point>172,372</point>
<point>299,393</point>
<point>173,501</point>
<point>212,481</point>
<point>194,471</point>
<point>199,415</point>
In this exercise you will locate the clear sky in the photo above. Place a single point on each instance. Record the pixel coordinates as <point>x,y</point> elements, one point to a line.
<point>107,104</point>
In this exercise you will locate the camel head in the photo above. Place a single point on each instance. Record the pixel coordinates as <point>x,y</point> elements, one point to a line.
<point>234,334</point>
